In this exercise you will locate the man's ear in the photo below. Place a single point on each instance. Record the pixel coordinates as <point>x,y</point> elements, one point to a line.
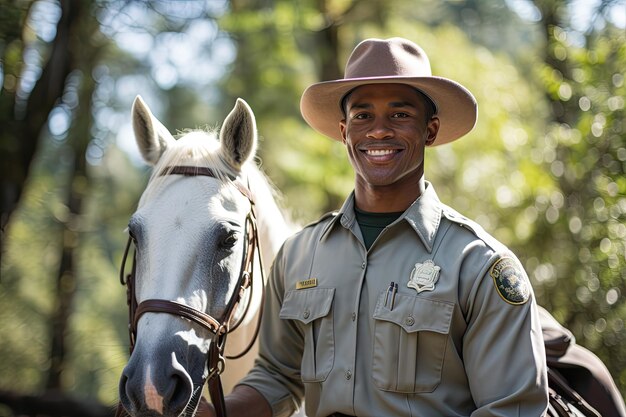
<point>342,128</point>
<point>432,128</point>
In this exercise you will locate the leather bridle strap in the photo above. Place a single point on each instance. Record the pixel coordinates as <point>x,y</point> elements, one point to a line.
<point>190,171</point>
<point>214,382</point>
<point>178,309</point>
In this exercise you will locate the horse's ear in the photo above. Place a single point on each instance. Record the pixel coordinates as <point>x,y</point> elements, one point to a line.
<point>152,137</point>
<point>238,135</point>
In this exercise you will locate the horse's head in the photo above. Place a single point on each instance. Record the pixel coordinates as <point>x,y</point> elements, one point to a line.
<point>188,233</point>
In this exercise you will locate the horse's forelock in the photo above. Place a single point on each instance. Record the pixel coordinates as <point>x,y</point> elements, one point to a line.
<point>193,148</point>
<point>201,149</point>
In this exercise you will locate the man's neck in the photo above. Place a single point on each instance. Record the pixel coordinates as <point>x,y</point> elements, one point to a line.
<point>389,198</point>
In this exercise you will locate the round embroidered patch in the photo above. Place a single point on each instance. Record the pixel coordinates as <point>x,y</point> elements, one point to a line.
<point>511,282</point>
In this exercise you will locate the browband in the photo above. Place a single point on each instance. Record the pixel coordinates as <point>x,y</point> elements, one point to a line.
<point>192,171</point>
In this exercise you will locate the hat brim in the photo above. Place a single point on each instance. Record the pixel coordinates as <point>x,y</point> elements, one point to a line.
<point>456,106</point>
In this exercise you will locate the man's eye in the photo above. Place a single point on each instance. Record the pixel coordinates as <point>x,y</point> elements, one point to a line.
<point>360,116</point>
<point>400,115</point>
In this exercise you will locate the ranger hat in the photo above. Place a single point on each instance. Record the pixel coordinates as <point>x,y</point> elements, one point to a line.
<point>395,60</point>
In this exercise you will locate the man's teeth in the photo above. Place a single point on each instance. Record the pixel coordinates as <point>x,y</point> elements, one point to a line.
<point>379,152</point>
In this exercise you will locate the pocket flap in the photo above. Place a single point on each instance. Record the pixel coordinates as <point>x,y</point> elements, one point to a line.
<point>416,314</point>
<point>307,305</point>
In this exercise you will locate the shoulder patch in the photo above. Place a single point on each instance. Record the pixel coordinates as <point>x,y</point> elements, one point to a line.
<point>510,281</point>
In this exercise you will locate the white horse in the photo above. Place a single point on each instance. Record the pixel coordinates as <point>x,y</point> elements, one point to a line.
<point>188,233</point>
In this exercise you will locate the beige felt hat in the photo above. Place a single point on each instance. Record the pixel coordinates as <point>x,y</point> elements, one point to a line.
<point>395,60</point>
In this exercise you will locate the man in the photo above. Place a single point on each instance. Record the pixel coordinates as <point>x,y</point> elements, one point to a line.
<point>396,305</point>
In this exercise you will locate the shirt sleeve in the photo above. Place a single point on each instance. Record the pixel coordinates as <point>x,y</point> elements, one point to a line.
<point>503,347</point>
<point>276,372</point>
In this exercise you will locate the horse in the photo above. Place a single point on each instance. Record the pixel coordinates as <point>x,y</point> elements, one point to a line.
<point>191,237</point>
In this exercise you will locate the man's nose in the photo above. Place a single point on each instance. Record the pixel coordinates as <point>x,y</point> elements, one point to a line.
<point>380,129</point>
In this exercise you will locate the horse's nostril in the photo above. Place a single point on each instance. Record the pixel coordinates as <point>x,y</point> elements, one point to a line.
<point>125,398</point>
<point>180,392</point>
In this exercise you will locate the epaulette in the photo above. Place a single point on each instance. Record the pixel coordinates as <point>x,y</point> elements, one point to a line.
<point>324,217</point>
<point>478,231</point>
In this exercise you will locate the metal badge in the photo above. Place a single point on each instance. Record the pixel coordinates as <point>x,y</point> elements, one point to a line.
<point>424,276</point>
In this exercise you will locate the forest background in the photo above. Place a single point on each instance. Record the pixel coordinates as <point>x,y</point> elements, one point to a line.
<point>543,170</point>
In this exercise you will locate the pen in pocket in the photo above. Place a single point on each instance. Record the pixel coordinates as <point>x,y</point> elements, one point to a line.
<point>389,290</point>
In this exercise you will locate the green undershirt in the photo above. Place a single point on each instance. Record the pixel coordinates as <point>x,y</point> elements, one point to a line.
<point>372,224</point>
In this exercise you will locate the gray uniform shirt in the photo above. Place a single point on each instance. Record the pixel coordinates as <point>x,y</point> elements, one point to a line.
<point>463,339</point>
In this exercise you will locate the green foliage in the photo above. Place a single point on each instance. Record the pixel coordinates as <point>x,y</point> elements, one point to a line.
<point>587,148</point>
<point>97,338</point>
<point>270,73</point>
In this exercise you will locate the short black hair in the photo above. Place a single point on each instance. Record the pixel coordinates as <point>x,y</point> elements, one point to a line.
<point>431,108</point>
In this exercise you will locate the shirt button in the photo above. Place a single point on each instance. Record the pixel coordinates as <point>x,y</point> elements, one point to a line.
<point>348,374</point>
<point>409,321</point>
<point>363,265</point>
<point>353,316</point>
<point>306,314</point>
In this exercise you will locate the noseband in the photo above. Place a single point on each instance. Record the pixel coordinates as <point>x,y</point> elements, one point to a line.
<point>219,328</point>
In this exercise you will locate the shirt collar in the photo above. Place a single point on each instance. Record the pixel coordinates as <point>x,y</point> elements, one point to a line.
<point>424,216</point>
<point>345,216</point>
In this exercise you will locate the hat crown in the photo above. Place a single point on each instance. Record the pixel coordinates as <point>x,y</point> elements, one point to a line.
<point>395,57</point>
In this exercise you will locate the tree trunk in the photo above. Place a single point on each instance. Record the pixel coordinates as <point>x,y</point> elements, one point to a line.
<point>24,121</point>
<point>77,185</point>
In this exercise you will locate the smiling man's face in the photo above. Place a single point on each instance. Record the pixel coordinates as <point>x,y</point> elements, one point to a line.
<point>385,133</point>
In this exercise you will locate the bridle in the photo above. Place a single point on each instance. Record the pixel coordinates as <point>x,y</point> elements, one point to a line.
<point>218,327</point>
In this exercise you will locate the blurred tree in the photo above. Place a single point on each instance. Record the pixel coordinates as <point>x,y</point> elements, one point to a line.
<point>581,244</point>
<point>31,88</point>
<point>78,93</point>
<point>48,107</point>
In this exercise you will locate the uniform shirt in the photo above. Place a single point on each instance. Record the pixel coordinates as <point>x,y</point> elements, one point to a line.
<point>468,343</point>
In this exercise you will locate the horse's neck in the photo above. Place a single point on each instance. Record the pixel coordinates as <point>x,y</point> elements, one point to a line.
<point>273,228</point>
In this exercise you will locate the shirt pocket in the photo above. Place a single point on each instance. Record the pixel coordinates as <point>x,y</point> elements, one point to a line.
<point>410,343</point>
<point>312,309</point>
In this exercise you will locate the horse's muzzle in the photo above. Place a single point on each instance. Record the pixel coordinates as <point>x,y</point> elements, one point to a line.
<point>147,389</point>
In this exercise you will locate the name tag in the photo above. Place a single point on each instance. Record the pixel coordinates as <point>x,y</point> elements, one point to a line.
<point>307,283</point>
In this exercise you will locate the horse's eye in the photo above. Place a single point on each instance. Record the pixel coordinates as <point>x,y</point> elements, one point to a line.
<point>230,240</point>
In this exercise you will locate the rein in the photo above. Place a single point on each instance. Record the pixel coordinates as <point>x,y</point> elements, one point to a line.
<point>219,328</point>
